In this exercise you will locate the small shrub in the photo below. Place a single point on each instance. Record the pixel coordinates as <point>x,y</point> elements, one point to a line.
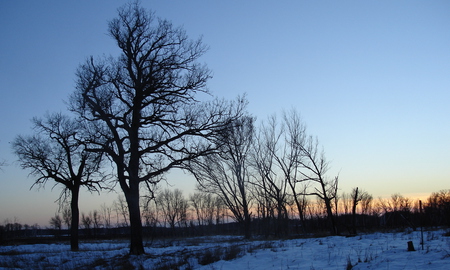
<point>172,264</point>
<point>210,256</point>
<point>232,252</point>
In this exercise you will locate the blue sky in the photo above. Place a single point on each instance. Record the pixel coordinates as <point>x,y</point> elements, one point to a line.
<point>371,79</point>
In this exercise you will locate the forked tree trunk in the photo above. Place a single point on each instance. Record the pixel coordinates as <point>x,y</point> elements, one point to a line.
<point>75,219</point>
<point>330,217</point>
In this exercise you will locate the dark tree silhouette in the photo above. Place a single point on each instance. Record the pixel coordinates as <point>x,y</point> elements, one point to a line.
<point>56,222</point>
<point>173,207</point>
<point>288,160</point>
<point>203,204</point>
<point>226,174</point>
<point>143,104</point>
<point>56,152</point>
<point>271,184</point>
<point>314,169</point>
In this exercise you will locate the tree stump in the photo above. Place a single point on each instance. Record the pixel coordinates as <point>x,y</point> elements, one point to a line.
<point>411,246</point>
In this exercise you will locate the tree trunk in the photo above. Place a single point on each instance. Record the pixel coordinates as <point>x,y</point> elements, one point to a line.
<point>75,219</point>
<point>300,212</point>
<point>132,196</point>
<point>247,222</point>
<point>355,203</point>
<point>333,228</point>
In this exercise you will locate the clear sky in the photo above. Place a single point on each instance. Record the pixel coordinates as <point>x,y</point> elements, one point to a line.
<point>371,79</point>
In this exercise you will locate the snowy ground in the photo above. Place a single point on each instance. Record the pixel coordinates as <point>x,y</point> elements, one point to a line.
<point>371,251</point>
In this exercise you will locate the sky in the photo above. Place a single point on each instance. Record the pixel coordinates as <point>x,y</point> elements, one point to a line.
<point>371,79</point>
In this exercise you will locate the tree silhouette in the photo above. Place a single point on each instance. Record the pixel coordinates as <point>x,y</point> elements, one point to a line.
<point>56,152</point>
<point>314,169</point>
<point>143,105</point>
<point>270,182</point>
<point>226,173</point>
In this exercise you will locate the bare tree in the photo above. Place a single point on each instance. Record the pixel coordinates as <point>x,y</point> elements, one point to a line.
<point>67,216</point>
<point>96,221</point>
<point>346,202</point>
<point>356,196</point>
<point>143,104</point>
<point>289,157</point>
<point>314,169</point>
<point>106,213</point>
<point>150,212</point>
<point>87,221</point>
<point>57,152</point>
<point>219,210</point>
<point>56,222</point>
<point>366,202</point>
<point>437,207</point>
<point>271,185</point>
<point>226,174</point>
<point>383,205</point>
<point>203,205</point>
<point>173,207</point>
<point>121,208</point>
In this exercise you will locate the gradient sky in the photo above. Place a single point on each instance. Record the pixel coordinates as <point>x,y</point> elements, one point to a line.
<point>371,79</point>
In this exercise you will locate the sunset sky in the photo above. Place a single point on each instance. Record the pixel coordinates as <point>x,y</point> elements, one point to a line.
<point>371,79</point>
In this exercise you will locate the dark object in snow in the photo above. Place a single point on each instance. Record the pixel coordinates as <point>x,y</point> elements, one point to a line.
<point>411,246</point>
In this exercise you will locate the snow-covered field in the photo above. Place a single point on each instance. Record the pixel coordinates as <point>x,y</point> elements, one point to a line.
<point>370,251</point>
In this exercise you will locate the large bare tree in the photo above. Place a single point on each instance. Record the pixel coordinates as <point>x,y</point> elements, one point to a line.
<point>57,152</point>
<point>144,104</point>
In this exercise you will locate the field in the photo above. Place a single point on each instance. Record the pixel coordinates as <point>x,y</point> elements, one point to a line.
<point>367,251</point>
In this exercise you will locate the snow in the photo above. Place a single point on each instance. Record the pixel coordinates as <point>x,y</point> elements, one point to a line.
<point>368,251</point>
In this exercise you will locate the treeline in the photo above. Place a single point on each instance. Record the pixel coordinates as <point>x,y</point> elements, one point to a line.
<point>171,214</point>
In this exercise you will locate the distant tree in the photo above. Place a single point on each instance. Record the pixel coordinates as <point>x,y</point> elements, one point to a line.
<point>87,221</point>
<point>106,213</point>
<point>366,202</point>
<point>356,196</point>
<point>346,203</point>
<point>271,183</point>
<point>314,169</point>
<point>150,212</point>
<point>143,105</point>
<point>226,173</point>
<point>437,208</point>
<point>96,221</point>
<point>383,205</point>
<point>289,156</point>
<point>219,210</point>
<point>56,222</point>
<point>173,207</point>
<point>121,209</point>
<point>57,152</point>
<point>396,210</point>
<point>67,216</point>
<point>203,204</point>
